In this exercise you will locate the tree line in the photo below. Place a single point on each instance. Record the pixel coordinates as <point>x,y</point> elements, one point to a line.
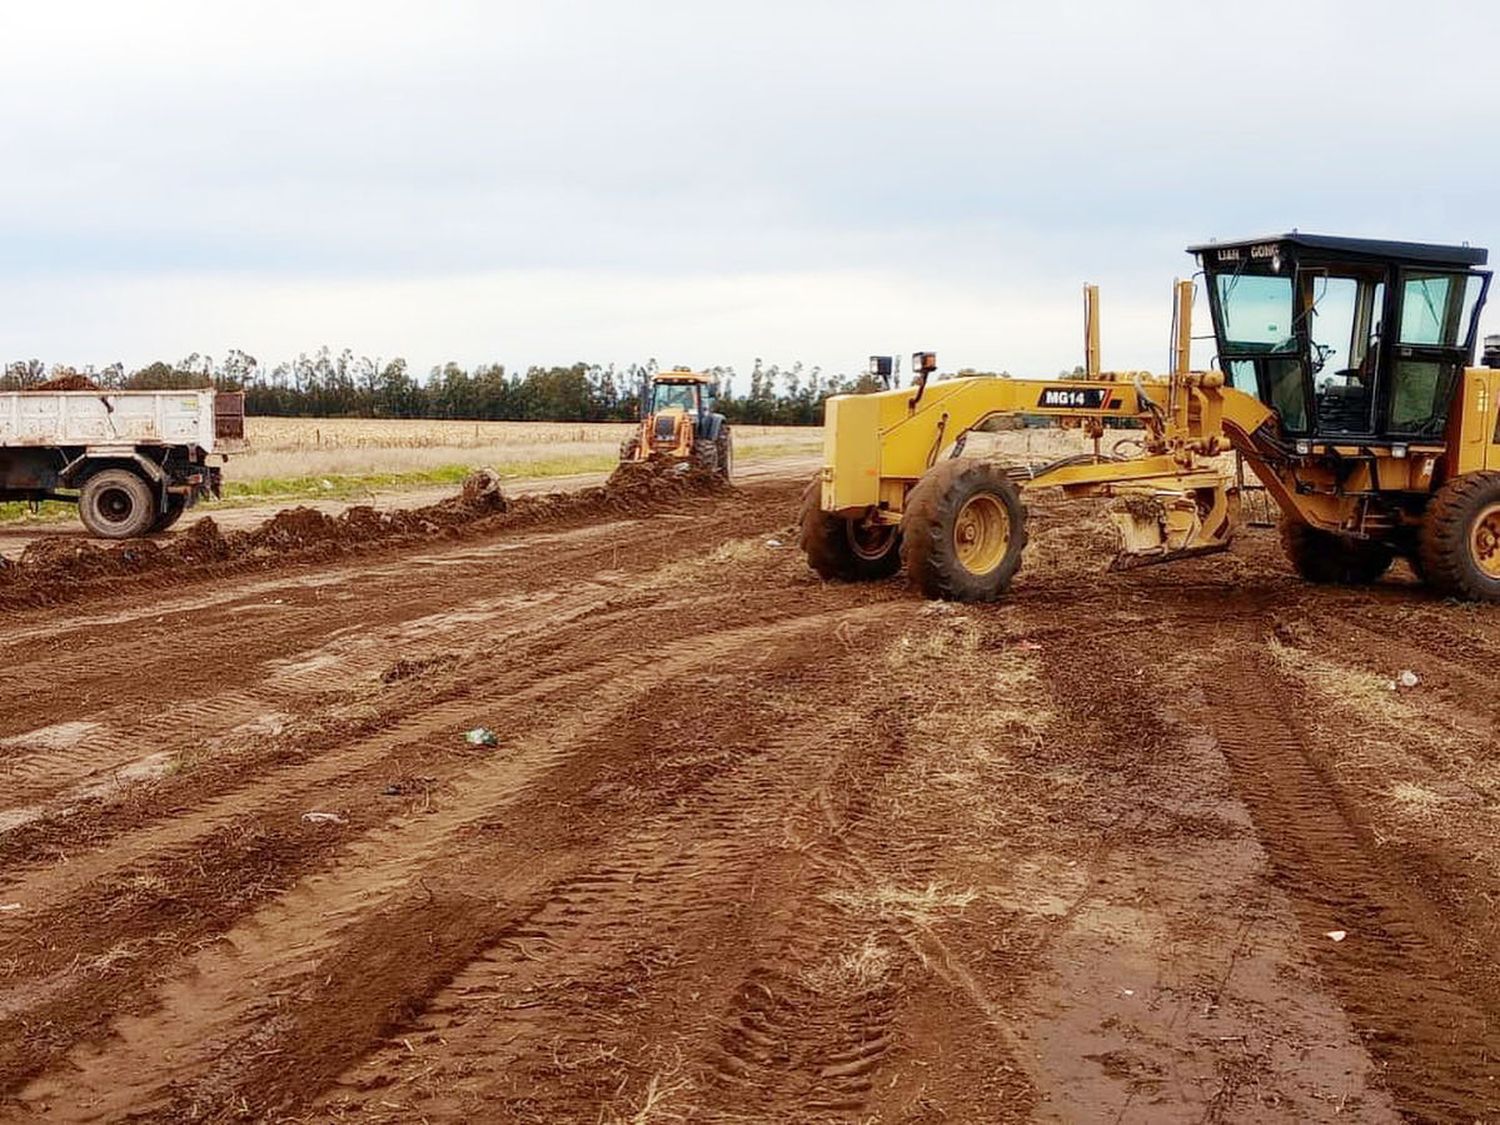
<point>329,384</point>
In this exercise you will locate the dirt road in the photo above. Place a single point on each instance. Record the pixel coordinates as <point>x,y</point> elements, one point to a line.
<point>750,847</point>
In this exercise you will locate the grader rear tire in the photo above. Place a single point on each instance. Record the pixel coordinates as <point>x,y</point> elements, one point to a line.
<point>964,531</point>
<point>847,550</point>
<point>1328,559</point>
<point>1460,541</point>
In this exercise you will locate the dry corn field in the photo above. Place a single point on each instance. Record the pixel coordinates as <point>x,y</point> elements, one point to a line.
<point>601,807</point>
<point>303,447</point>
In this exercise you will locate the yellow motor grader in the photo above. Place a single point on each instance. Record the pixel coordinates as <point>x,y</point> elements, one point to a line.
<point>1344,381</point>
<point>680,425</point>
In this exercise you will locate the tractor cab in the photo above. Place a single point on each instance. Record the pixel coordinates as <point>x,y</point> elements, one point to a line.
<point>681,390</point>
<point>1351,340</point>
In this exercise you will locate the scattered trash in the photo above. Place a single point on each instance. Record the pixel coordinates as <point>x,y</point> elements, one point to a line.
<point>7,907</point>
<point>323,818</point>
<point>773,543</point>
<point>1028,646</point>
<point>1127,992</point>
<point>1336,935</point>
<point>392,790</point>
<point>326,485</point>
<point>481,736</point>
<point>1408,679</point>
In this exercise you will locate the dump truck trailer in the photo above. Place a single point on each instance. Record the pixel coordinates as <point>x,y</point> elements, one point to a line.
<point>133,461</point>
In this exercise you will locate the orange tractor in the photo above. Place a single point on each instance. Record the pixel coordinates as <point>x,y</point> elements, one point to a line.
<point>679,424</point>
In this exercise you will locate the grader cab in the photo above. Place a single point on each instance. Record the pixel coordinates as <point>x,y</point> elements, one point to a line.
<point>680,426</point>
<point>1345,382</point>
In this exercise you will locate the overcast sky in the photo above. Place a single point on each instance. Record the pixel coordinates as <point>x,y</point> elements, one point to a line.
<point>704,182</point>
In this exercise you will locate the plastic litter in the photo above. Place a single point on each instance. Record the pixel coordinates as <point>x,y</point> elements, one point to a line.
<point>481,736</point>
<point>1408,679</point>
<point>323,818</point>
<point>7,907</point>
<point>773,543</point>
<point>1336,935</point>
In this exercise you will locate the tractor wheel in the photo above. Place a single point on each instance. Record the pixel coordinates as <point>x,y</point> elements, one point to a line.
<point>117,504</point>
<point>1329,559</point>
<point>1460,544</point>
<point>963,532</point>
<point>725,452</point>
<point>848,550</point>
<point>705,455</point>
<point>176,505</point>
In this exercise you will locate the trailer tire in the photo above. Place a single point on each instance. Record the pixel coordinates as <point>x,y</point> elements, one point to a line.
<point>1460,540</point>
<point>171,513</point>
<point>117,504</point>
<point>842,549</point>
<point>963,532</point>
<point>1328,559</point>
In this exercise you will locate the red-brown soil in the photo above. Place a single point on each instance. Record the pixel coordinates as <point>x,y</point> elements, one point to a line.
<point>750,847</point>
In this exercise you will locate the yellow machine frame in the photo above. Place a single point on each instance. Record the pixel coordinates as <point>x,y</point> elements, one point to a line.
<point>877,446</point>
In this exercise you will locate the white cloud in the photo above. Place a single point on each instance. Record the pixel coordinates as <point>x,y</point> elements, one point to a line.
<point>969,159</point>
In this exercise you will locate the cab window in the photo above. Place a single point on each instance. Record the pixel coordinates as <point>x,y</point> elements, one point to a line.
<point>1257,312</point>
<point>1437,308</point>
<point>681,395</point>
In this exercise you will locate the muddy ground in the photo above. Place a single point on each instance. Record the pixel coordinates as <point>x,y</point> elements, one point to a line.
<point>749,847</point>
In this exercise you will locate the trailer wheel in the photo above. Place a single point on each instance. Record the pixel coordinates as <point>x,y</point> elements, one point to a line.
<point>1460,543</point>
<point>117,504</point>
<point>847,550</point>
<point>1328,559</point>
<point>170,514</point>
<point>964,531</point>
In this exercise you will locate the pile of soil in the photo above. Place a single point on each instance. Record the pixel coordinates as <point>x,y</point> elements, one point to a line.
<point>57,567</point>
<point>64,383</point>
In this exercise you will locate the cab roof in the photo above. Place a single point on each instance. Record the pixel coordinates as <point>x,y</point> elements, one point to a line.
<point>1431,252</point>
<point>683,375</point>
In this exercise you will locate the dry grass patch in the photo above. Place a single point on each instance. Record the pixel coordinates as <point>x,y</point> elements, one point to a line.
<point>921,908</point>
<point>851,973</point>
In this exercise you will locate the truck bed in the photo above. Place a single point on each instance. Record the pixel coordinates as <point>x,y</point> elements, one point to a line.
<point>213,421</point>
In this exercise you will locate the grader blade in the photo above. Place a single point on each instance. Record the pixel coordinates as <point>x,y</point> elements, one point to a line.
<point>1160,526</point>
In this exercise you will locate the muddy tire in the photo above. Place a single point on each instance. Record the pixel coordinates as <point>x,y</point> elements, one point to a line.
<point>1329,559</point>
<point>705,455</point>
<point>846,550</point>
<point>170,514</point>
<point>1460,544</point>
<point>963,532</point>
<point>724,446</point>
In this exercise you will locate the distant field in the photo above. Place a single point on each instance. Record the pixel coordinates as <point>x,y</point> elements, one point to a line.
<point>342,457</point>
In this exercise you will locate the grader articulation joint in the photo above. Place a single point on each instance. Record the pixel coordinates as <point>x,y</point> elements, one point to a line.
<point>1344,382</point>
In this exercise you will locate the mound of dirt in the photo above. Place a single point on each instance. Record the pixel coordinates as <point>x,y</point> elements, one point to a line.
<point>64,383</point>
<point>54,568</point>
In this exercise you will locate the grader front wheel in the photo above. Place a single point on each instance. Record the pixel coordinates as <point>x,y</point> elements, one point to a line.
<point>1460,543</point>
<point>963,532</point>
<point>1328,559</point>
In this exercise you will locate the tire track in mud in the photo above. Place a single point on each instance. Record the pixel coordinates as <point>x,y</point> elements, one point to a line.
<point>466,916</point>
<point>1423,1000</point>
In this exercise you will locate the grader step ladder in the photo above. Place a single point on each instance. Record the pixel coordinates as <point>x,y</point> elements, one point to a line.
<point>1345,382</point>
